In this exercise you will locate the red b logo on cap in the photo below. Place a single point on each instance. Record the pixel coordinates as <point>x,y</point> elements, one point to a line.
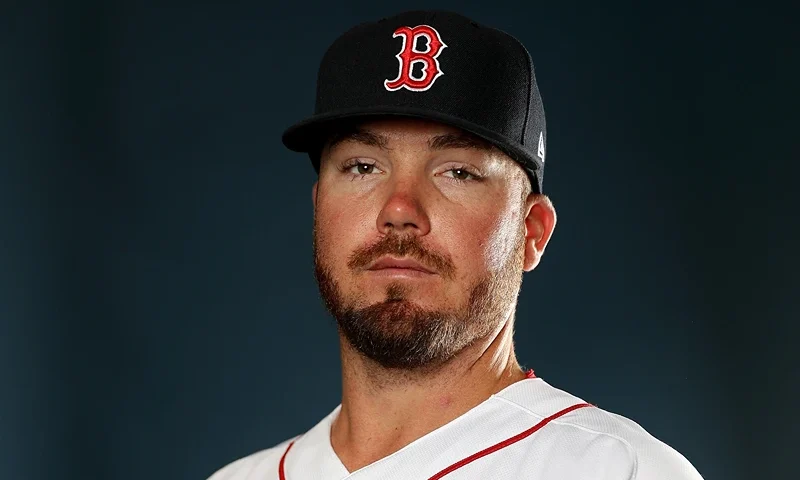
<point>409,55</point>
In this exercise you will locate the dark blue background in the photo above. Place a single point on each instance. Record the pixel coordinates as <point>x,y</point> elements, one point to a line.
<point>158,312</point>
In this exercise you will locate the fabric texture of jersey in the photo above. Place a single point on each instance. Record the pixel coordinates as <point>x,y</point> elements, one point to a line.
<point>583,443</point>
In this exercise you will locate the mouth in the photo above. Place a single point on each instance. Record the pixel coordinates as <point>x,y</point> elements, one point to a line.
<point>399,266</point>
<point>400,272</point>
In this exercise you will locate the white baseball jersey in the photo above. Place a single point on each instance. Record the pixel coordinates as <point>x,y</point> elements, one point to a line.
<point>529,430</point>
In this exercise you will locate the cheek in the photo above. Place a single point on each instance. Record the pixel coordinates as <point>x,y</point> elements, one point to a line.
<point>340,231</point>
<point>499,240</point>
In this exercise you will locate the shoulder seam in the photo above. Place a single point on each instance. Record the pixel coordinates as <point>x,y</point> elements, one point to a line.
<point>627,444</point>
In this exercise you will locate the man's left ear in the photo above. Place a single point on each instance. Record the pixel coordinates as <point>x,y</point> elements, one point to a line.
<point>540,221</point>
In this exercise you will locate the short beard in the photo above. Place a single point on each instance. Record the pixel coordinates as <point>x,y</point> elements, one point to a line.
<point>396,333</point>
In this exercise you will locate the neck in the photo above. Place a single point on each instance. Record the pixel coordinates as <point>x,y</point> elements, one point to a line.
<point>385,410</point>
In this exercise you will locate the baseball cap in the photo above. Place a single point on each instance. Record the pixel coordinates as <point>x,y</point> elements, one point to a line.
<point>434,65</point>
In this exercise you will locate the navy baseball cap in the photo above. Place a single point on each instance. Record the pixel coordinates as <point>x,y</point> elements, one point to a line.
<point>433,65</point>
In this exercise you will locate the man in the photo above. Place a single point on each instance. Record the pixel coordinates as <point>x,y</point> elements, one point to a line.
<point>429,140</point>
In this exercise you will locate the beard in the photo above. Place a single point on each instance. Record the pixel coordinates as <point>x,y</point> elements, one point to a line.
<point>398,333</point>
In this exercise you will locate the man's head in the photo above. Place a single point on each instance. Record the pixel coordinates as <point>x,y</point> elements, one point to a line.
<point>409,188</point>
<point>400,178</point>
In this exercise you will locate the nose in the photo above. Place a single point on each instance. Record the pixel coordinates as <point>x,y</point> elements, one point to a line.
<point>403,212</point>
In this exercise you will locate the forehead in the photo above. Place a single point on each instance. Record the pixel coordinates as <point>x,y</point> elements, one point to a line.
<point>396,131</point>
<point>408,127</point>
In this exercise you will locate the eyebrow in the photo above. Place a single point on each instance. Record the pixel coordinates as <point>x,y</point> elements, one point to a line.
<point>439,142</point>
<point>363,137</point>
<point>458,140</point>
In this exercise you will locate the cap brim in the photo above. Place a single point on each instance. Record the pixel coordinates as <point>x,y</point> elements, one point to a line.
<point>306,135</point>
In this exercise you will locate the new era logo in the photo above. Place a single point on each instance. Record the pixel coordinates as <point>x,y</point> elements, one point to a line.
<point>540,150</point>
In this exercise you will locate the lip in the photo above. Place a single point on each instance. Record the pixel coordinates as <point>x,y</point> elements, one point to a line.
<point>399,273</point>
<point>399,266</point>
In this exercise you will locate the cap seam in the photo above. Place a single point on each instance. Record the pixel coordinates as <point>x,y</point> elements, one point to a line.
<point>530,89</point>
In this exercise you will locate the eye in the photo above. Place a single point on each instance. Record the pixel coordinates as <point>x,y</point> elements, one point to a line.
<point>357,167</point>
<point>462,174</point>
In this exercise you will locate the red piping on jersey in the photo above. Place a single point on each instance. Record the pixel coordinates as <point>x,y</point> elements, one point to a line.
<point>283,459</point>
<point>509,441</point>
<point>475,456</point>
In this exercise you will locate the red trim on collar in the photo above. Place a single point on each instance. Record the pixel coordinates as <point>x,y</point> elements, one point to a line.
<point>475,456</point>
<point>530,374</point>
<point>509,441</point>
<point>281,474</point>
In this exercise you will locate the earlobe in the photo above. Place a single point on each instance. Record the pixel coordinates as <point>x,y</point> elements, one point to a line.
<point>539,225</point>
<point>533,237</point>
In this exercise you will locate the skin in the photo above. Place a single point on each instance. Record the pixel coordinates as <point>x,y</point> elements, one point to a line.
<point>418,352</point>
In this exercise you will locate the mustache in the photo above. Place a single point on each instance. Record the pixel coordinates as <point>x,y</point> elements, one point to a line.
<point>401,246</point>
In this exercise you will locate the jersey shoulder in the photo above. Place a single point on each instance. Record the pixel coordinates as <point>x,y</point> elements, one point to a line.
<point>258,465</point>
<point>649,457</point>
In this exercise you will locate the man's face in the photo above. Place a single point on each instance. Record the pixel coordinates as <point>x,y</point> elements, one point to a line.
<point>409,189</point>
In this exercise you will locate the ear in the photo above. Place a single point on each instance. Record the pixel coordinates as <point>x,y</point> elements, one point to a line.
<point>540,221</point>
